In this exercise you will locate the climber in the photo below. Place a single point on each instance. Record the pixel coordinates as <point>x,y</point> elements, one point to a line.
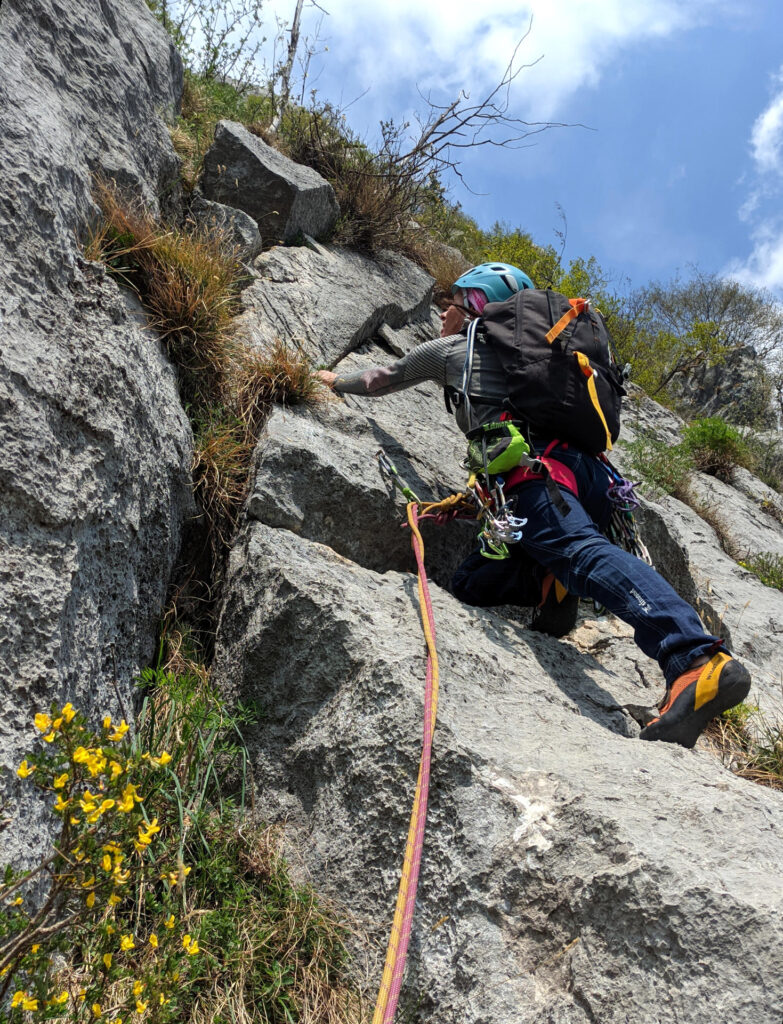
<point>563,554</point>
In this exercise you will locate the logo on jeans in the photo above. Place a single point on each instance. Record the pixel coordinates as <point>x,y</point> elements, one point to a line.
<point>642,603</point>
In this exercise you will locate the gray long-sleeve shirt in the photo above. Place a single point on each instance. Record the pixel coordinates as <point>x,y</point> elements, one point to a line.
<point>441,360</point>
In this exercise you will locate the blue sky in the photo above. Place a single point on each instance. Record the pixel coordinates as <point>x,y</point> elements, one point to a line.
<point>685,160</point>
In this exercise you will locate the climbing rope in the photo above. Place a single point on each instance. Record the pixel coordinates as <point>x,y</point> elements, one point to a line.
<point>397,950</point>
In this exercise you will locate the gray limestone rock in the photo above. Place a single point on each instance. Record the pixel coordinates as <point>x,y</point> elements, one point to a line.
<point>234,225</point>
<point>330,300</point>
<point>285,199</point>
<point>95,477</point>
<point>570,872</point>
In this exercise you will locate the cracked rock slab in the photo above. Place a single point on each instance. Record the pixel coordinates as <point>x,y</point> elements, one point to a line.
<point>329,300</point>
<point>570,873</point>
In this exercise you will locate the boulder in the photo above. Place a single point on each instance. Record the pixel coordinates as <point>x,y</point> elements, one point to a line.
<point>570,872</point>
<point>285,199</point>
<point>230,224</point>
<point>96,447</point>
<point>329,300</point>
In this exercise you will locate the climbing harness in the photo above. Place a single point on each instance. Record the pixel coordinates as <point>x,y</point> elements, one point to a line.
<point>397,949</point>
<point>499,526</point>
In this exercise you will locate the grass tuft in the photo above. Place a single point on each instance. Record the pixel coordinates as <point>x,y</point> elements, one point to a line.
<point>749,744</point>
<point>188,281</point>
<point>282,375</point>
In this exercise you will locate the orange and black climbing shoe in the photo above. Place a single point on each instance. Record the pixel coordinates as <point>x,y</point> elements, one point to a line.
<point>557,611</point>
<point>696,697</point>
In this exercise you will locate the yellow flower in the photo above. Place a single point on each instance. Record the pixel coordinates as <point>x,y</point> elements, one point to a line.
<point>190,945</point>
<point>35,948</point>
<point>25,769</point>
<point>107,960</point>
<point>43,723</point>
<point>140,1006</point>
<point>126,942</point>
<point>61,999</point>
<point>116,770</point>
<point>17,902</point>
<point>60,781</point>
<point>129,794</point>
<point>119,732</point>
<point>90,901</point>
<point>107,722</point>
<point>153,940</point>
<point>162,999</point>
<point>18,997</point>
<point>138,988</point>
<point>82,994</point>
<point>169,922</point>
<point>114,899</point>
<point>88,882</point>
<point>96,1009</point>
<point>110,929</point>
<point>49,737</point>
<point>29,1003</point>
<point>163,759</point>
<point>81,755</point>
<point>74,821</point>
<point>68,712</point>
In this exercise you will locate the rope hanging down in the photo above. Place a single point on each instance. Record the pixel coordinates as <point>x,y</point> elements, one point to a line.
<point>397,950</point>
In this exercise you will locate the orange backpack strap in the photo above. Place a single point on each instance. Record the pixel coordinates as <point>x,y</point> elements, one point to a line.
<point>577,306</point>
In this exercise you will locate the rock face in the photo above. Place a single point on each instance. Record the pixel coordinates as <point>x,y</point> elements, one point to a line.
<point>96,447</point>
<point>739,390</point>
<point>285,199</point>
<point>329,300</point>
<point>228,222</point>
<point>570,872</point>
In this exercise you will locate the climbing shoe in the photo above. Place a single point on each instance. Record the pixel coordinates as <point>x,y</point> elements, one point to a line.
<point>557,610</point>
<point>696,697</point>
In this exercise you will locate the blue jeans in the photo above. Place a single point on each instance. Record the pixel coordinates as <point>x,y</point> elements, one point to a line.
<point>588,564</point>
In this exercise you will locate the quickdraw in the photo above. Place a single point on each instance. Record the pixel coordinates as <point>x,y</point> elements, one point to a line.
<point>499,526</point>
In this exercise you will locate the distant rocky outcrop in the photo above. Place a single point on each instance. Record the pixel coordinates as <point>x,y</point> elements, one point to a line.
<point>738,389</point>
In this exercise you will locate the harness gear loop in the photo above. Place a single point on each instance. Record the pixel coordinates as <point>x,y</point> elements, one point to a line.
<point>397,949</point>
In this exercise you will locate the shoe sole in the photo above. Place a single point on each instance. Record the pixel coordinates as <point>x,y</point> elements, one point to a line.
<point>686,727</point>
<point>556,620</point>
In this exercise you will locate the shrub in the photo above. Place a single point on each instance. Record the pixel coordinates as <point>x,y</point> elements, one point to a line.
<point>716,447</point>
<point>767,566</point>
<point>664,468</point>
<point>163,899</point>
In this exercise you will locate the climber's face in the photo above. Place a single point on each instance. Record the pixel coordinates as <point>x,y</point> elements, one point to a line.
<point>452,318</point>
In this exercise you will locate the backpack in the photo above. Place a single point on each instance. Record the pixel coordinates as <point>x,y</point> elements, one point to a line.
<point>563,381</point>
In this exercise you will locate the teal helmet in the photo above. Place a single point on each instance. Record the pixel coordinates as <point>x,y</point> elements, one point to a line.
<point>498,281</point>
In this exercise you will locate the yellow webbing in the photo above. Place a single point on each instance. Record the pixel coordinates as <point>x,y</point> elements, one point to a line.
<point>587,370</point>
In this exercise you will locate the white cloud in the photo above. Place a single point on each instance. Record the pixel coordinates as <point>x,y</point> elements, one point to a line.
<point>448,45</point>
<point>764,266</point>
<point>767,134</point>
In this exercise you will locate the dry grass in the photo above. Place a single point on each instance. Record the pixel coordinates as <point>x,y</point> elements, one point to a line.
<point>749,744</point>
<point>222,448</point>
<point>283,375</point>
<point>188,281</point>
